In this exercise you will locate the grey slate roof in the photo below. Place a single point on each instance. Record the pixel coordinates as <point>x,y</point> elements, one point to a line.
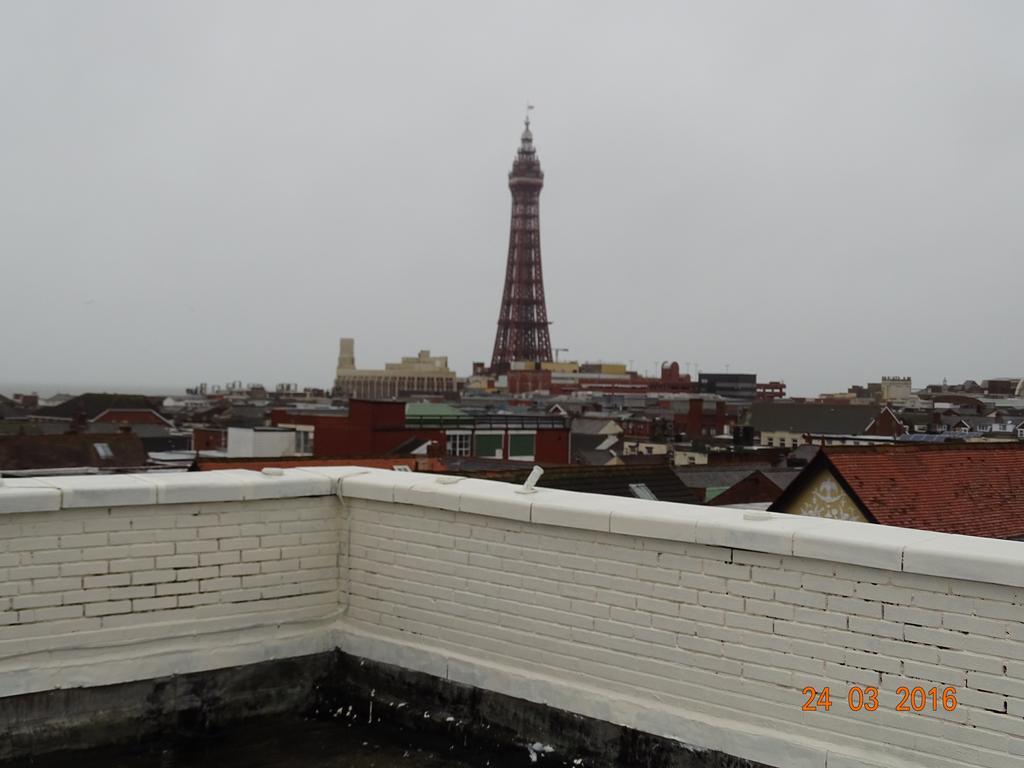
<point>781,477</point>
<point>817,418</point>
<point>594,449</point>
<point>594,458</point>
<point>587,425</point>
<point>917,417</point>
<point>92,404</point>
<point>713,477</point>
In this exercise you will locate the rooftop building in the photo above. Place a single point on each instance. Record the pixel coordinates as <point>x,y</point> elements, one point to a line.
<point>382,428</point>
<point>965,488</point>
<point>786,422</point>
<point>422,374</point>
<point>736,387</point>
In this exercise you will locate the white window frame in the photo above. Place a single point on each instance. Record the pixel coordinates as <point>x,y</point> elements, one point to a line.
<point>522,432</point>
<point>465,436</point>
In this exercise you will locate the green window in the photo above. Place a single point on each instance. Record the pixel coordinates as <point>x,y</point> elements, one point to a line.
<point>522,445</point>
<point>488,446</point>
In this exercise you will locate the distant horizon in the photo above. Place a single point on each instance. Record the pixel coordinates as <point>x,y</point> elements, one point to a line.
<point>49,389</point>
<point>45,389</point>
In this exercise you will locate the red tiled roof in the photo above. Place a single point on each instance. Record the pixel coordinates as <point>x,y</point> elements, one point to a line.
<point>754,488</point>
<point>967,488</point>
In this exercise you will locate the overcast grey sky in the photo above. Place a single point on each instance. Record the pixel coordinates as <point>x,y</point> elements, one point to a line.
<point>817,191</point>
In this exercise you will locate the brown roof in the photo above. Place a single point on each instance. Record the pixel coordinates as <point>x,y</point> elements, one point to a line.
<point>756,487</point>
<point>132,416</point>
<point>967,488</point>
<point>92,404</point>
<point>75,450</point>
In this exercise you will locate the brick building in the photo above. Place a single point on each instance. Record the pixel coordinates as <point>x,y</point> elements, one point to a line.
<point>376,428</point>
<point>422,374</point>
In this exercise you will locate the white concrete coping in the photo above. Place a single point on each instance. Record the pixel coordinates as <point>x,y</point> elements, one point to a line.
<point>334,474</point>
<point>656,519</point>
<point>457,494</point>
<point>571,509</point>
<point>864,544</point>
<point>967,557</point>
<point>194,487</point>
<point>874,546</point>
<point>761,532</point>
<point>494,499</point>
<point>440,492</point>
<point>48,494</point>
<point>380,484</point>
<point>285,483</point>
<point>102,490</point>
<point>27,495</point>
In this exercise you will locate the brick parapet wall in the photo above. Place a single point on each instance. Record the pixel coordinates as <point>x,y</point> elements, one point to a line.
<point>694,623</point>
<point>117,578</point>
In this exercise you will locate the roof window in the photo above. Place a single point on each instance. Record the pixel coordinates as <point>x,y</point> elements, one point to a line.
<point>641,491</point>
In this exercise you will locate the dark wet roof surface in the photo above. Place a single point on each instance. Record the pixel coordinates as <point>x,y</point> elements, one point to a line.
<point>289,742</point>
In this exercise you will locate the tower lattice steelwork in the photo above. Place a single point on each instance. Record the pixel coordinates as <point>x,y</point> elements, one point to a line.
<point>523,320</point>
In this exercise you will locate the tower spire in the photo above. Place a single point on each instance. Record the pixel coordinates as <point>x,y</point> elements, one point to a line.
<point>526,141</point>
<point>523,319</point>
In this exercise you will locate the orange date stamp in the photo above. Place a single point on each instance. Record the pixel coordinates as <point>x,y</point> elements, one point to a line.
<point>859,698</point>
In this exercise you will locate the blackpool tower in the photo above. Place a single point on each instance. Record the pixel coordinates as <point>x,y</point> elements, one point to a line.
<point>523,319</point>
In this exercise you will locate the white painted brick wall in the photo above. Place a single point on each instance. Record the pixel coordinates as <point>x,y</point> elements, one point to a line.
<point>144,565</point>
<point>705,625</point>
<point>723,634</point>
